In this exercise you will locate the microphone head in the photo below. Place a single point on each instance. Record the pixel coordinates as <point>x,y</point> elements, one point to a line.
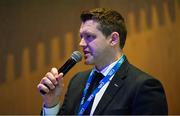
<point>76,55</point>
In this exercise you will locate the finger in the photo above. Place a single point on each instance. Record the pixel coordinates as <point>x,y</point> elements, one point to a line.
<point>60,79</point>
<point>48,83</point>
<point>52,78</point>
<point>42,88</point>
<point>54,71</point>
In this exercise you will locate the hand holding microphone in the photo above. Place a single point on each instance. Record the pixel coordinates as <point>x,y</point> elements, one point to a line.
<point>51,85</point>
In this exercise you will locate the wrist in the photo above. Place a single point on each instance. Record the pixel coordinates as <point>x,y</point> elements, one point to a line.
<point>50,104</point>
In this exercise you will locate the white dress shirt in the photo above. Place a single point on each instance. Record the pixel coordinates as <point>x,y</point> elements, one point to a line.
<point>55,109</point>
<point>102,90</point>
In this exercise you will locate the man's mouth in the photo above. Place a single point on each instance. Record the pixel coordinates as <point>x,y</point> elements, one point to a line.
<point>86,53</point>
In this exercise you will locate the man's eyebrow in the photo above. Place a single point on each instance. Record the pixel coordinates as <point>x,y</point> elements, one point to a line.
<point>87,32</point>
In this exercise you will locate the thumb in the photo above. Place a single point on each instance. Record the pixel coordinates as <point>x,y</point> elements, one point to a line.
<point>59,78</point>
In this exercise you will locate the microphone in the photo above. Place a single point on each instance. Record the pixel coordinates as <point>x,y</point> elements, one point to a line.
<point>75,58</point>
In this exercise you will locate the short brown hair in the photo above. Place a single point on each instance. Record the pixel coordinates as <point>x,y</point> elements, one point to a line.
<point>110,21</point>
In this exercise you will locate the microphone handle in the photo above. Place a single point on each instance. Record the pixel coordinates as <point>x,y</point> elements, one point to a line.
<point>67,66</point>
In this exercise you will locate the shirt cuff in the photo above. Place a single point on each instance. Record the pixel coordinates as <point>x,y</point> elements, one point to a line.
<point>51,111</point>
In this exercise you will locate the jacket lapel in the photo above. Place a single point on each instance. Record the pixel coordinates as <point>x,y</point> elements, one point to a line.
<point>115,84</point>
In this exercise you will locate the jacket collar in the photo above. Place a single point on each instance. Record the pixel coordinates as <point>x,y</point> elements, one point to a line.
<point>115,84</point>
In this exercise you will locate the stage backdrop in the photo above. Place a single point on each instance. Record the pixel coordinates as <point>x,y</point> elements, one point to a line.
<point>36,35</point>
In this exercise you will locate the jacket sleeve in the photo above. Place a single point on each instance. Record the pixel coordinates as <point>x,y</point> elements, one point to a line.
<point>64,109</point>
<point>73,95</point>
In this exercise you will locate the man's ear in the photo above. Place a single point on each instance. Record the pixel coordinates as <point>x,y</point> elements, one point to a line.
<point>114,38</point>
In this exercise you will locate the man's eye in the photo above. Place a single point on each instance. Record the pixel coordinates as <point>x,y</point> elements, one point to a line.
<point>90,37</point>
<point>81,36</point>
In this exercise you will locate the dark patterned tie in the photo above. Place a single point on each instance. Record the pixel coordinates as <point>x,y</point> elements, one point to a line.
<point>94,84</point>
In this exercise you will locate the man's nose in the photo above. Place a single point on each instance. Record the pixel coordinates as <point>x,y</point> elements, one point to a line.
<point>82,43</point>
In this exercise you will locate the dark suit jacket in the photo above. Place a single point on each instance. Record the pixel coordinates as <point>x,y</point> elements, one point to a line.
<point>131,91</point>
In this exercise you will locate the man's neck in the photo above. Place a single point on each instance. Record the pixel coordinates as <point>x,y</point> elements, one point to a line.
<point>100,67</point>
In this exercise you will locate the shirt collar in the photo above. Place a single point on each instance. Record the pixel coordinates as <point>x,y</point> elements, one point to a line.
<point>107,68</point>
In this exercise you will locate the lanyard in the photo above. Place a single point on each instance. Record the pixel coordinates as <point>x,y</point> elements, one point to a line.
<point>84,105</point>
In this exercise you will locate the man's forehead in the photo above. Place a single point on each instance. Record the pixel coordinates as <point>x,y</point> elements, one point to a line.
<point>88,25</point>
<point>90,22</point>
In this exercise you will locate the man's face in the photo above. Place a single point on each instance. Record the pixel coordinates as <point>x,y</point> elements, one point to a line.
<point>94,44</point>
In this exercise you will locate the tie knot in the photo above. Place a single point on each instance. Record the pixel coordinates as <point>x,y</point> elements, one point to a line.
<point>98,76</point>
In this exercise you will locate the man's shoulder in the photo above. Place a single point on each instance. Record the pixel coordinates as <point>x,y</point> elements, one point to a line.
<point>81,76</point>
<point>138,80</point>
<point>83,73</point>
<point>138,76</point>
<point>135,71</point>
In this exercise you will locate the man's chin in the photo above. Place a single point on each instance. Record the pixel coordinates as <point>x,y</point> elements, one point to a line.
<point>88,62</point>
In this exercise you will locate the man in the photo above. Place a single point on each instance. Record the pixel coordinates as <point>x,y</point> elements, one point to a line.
<point>123,88</point>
